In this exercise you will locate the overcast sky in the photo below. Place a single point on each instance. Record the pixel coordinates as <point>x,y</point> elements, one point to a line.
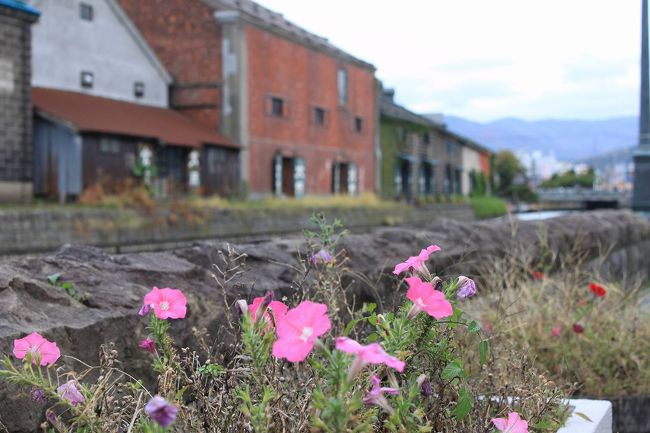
<point>487,59</point>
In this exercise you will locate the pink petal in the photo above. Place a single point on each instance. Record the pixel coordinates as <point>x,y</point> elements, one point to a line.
<point>21,347</point>
<point>279,309</point>
<point>375,354</point>
<point>418,289</point>
<point>500,423</point>
<point>401,267</point>
<point>438,306</point>
<point>252,308</point>
<point>433,249</point>
<point>348,345</point>
<point>516,424</point>
<point>391,391</point>
<point>292,349</point>
<point>153,297</point>
<point>50,353</point>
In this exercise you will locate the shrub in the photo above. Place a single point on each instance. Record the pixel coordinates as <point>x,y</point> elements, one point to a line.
<point>311,362</point>
<point>488,207</point>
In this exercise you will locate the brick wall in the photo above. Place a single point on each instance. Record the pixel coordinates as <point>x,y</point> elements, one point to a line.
<point>187,40</point>
<point>15,104</point>
<point>306,78</point>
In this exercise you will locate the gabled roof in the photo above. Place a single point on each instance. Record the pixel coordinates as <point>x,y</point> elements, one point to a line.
<point>275,22</point>
<point>20,6</point>
<point>85,113</point>
<point>389,108</point>
<point>139,39</point>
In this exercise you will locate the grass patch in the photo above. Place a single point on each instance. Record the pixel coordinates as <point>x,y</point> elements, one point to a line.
<point>488,207</point>
<point>309,202</point>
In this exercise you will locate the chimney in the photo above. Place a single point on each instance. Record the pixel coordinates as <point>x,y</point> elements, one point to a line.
<point>389,94</point>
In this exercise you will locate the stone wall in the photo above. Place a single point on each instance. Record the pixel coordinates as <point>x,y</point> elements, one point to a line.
<point>15,104</point>
<point>29,231</point>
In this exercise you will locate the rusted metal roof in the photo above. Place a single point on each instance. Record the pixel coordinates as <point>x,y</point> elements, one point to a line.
<point>86,113</point>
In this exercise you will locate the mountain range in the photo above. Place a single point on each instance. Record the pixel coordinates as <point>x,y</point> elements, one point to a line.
<point>568,140</point>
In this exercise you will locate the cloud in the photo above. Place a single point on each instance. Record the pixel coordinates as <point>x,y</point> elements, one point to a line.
<point>489,59</point>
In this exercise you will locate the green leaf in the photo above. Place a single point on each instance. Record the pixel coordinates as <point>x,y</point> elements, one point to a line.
<point>54,278</point>
<point>372,337</point>
<point>452,370</point>
<point>369,308</point>
<point>483,351</point>
<point>464,404</point>
<point>474,327</point>
<point>583,416</point>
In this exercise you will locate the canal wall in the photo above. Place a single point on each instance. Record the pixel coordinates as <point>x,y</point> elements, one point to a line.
<point>120,230</point>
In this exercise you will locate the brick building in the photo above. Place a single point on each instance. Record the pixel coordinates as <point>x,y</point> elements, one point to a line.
<point>16,19</point>
<point>303,111</point>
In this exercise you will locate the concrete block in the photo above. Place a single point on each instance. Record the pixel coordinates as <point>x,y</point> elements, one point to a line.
<point>598,411</point>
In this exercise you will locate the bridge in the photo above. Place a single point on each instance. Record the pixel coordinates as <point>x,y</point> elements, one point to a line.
<point>581,198</point>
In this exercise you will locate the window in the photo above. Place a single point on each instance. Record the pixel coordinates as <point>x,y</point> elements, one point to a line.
<point>342,84</point>
<point>319,116</point>
<point>87,79</point>
<point>109,145</point>
<point>358,124</point>
<point>277,107</point>
<point>426,139</point>
<point>86,11</point>
<point>138,89</point>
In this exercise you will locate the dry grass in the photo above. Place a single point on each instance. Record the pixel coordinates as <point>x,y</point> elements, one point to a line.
<point>610,358</point>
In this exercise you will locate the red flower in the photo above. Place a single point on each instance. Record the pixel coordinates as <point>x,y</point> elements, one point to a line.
<point>597,289</point>
<point>537,275</point>
<point>578,328</point>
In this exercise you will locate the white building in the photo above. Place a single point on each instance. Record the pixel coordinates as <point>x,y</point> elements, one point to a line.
<point>92,47</point>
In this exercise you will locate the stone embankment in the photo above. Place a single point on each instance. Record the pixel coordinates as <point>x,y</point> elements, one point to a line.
<point>116,283</point>
<point>120,230</point>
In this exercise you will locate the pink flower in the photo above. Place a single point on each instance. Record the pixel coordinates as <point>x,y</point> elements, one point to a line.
<point>370,354</point>
<point>68,391</point>
<point>556,331</point>
<point>298,330</point>
<point>376,395</point>
<point>417,262</point>
<point>514,424</point>
<point>276,307</point>
<point>148,344</point>
<point>425,298</point>
<point>166,303</point>
<point>36,349</point>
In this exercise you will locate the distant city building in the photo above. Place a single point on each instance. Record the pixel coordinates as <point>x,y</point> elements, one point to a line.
<point>303,111</point>
<point>421,157</point>
<point>16,19</point>
<point>541,166</point>
<point>101,106</point>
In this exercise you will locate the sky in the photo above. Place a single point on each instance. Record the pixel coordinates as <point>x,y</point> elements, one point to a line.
<point>490,59</point>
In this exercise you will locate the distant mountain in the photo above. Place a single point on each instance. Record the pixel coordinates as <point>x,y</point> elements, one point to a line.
<point>569,140</point>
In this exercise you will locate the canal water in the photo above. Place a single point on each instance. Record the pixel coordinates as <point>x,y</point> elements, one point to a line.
<point>540,215</point>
